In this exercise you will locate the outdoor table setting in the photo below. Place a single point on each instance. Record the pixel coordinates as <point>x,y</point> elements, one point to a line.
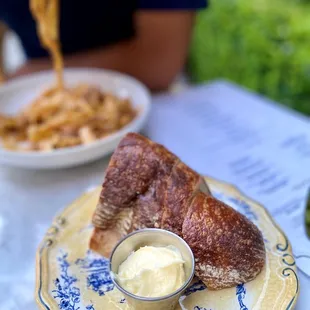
<point>31,199</point>
<point>146,181</point>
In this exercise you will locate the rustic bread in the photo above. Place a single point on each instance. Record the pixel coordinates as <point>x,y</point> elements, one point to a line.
<point>147,186</point>
<point>228,248</point>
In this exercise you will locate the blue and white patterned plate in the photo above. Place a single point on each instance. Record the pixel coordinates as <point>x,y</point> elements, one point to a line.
<point>71,277</point>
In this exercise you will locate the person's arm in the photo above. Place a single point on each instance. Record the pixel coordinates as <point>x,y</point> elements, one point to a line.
<point>155,56</point>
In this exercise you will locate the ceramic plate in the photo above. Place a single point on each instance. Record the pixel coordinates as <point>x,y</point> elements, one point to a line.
<point>20,92</point>
<point>69,276</point>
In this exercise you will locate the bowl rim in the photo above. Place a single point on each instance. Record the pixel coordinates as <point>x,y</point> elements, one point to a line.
<point>153,299</point>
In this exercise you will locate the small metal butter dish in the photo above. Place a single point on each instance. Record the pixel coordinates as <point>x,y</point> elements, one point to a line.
<point>157,238</point>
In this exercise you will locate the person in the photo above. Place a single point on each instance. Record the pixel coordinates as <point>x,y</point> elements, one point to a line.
<point>147,39</point>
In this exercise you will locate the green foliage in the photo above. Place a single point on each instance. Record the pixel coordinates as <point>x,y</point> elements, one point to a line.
<point>261,44</point>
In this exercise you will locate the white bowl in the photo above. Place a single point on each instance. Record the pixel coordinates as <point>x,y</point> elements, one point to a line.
<point>20,92</point>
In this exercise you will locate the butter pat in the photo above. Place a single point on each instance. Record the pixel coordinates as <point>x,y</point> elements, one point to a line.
<point>152,271</point>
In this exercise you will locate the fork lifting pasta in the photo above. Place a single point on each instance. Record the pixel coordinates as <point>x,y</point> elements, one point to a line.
<point>46,14</point>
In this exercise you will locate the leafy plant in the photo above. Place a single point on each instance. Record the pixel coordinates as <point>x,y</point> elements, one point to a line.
<point>261,44</point>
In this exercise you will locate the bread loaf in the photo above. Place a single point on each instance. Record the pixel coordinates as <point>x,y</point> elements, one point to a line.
<point>146,186</point>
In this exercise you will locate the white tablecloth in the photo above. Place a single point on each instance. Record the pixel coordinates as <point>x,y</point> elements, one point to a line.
<point>29,200</point>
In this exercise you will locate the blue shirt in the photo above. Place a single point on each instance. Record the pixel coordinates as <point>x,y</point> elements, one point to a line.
<point>85,24</point>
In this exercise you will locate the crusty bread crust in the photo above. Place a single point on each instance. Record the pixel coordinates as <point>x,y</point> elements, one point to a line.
<point>228,248</point>
<point>148,186</point>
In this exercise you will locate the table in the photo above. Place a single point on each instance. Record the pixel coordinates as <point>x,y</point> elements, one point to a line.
<point>29,202</point>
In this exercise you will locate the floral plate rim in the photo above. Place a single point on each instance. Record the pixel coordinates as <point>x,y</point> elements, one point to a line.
<point>45,301</point>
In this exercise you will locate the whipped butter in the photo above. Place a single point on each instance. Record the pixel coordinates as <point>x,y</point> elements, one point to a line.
<point>152,271</point>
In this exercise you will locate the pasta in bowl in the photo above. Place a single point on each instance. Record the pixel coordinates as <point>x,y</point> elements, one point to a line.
<point>63,146</point>
<point>69,123</point>
<point>65,117</point>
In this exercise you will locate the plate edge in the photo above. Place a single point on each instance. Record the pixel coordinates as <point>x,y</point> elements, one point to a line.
<point>233,188</point>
